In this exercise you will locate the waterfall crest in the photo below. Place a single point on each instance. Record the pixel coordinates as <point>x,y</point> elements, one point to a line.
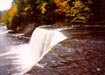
<point>42,40</point>
<point>29,54</point>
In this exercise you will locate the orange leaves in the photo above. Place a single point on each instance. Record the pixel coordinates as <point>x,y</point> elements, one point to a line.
<point>12,10</point>
<point>8,15</point>
<point>77,3</point>
<point>76,10</point>
<point>62,5</point>
<point>58,2</point>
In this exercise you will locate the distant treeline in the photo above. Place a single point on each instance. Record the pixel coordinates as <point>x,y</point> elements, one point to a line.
<point>0,15</point>
<point>24,12</point>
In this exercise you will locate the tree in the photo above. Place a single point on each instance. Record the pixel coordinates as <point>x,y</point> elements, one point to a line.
<point>74,10</point>
<point>4,17</point>
<point>24,12</point>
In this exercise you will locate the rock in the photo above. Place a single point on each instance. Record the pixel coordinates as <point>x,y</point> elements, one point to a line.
<point>29,29</point>
<point>83,53</point>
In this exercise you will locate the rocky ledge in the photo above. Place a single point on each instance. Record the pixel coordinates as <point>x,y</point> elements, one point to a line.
<point>83,53</point>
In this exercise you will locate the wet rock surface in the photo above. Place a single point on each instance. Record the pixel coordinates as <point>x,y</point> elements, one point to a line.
<point>83,53</point>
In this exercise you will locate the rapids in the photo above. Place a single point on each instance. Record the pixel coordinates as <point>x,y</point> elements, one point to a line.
<point>18,57</point>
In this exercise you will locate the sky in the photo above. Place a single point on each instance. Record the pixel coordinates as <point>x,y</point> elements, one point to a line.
<point>5,4</point>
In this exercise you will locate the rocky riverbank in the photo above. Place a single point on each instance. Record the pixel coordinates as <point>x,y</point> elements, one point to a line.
<point>83,53</point>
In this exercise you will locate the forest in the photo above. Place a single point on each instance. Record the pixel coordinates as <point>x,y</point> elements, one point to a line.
<point>45,12</point>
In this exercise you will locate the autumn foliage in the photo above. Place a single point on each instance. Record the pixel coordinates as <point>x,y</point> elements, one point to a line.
<point>24,12</point>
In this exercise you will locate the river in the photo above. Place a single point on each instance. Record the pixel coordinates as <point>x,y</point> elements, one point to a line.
<point>12,52</point>
<point>81,52</point>
<point>18,56</point>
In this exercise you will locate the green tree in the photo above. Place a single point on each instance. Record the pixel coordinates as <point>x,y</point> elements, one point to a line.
<point>4,17</point>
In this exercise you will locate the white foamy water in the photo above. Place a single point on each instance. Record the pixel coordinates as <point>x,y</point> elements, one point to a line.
<point>24,56</point>
<point>43,40</point>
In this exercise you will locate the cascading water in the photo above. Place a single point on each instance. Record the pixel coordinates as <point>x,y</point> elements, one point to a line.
<point>24,56</point>
<point>42,40</point>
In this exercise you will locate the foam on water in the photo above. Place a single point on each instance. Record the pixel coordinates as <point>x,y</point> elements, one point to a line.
<point>43,40</point>
<point>28,55</point>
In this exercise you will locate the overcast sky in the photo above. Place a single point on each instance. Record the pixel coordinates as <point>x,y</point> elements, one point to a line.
<point>5,4</point>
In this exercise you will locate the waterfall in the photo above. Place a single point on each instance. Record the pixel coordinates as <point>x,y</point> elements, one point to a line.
<point>24,56</point>
<point>42,40</point>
